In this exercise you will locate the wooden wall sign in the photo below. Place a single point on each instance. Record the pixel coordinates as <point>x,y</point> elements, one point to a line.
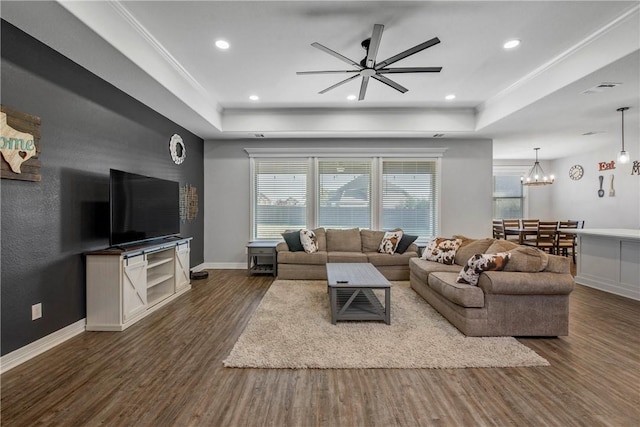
<point>19,145</point>
<point>606,166</point>
<point>188,203</point>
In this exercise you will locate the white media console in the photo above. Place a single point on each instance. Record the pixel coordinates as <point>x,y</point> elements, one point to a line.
<point>126,284</point>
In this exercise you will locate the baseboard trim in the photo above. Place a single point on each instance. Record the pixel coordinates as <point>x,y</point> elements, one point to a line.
<point>223,266</point>
<point>29,351</point>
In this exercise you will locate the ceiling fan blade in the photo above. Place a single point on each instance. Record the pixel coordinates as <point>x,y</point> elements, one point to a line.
<point>408,52</point>
<point>409,70</point>
<point>336,54</point>
<point>328,72</point>
<point>391,83</point>
<point>374,44</point>
<point>363,87</point>
<point>338,84</point>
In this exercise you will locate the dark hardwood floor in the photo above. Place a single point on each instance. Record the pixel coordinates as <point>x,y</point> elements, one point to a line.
<point>167,370</point>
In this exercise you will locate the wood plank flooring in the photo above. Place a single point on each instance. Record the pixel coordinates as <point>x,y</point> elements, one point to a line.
<point>167,370</point>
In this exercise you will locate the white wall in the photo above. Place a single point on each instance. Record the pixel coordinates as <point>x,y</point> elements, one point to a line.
<point>465,199</point>
<point>569,199</point>
<point>579,199</point>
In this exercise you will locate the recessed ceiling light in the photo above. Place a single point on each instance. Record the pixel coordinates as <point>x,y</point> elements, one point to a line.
<point>450,97</point>
<point>351,97</point>
<point>511,44</point>
<point>254,97</point>
<point>222,44</point>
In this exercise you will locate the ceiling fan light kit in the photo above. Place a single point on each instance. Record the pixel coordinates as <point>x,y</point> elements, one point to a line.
<point>536,175</point>
<point>369,68</point>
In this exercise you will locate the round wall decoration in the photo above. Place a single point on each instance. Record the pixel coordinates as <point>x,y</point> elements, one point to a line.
<point>177,149</point>
<point>576,172</point>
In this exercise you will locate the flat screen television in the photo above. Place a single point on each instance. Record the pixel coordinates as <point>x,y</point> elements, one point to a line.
<point>142,208</point>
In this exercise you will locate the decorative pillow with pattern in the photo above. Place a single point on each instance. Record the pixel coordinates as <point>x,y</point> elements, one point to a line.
<point>478,263</point>
<point>309,241</point>
<point>390,242</point>
<point>441,250</point>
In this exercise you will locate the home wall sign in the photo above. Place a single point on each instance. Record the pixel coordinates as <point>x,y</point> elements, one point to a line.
<point>606,166</point>
<point>19,145</point>
<point>635,169</point>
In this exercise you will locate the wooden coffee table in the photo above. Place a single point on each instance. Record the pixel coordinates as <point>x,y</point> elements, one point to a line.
<point>351,293</point>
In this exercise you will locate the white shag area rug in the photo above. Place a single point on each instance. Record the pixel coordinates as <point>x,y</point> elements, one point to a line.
<point>291,328</point>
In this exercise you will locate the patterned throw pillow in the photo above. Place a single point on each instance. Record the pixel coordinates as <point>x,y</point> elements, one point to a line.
<point>390,242</point>
<point>478,263</point>
<point>309,241</point>
<point>441,250</point>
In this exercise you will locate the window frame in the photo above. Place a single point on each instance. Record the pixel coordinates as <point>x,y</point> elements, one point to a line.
<point>511,170</point>
<point>375,156</point>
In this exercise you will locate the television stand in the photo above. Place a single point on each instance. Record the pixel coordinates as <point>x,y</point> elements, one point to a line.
<point>126,284</point>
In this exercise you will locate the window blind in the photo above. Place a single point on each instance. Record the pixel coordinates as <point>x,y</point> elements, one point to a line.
<point>280,196</point>
<point>409,196</point>
<point>344,192</point>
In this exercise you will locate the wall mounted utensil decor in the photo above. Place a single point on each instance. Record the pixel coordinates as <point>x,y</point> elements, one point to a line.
<point>601,191</point>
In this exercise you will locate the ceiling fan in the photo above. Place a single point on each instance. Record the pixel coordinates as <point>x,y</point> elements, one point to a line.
<point>369,68</point>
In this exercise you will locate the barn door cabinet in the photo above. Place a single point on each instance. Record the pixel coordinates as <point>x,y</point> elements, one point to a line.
<point>125,285</point>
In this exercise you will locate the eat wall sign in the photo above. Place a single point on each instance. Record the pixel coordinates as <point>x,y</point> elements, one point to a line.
<point>19,145</point>
<point>605,166</point>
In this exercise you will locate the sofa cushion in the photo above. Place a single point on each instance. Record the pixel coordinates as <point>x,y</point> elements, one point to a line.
<point>461,294</point>
<point>480,263</point>
<point>321,236</point>
<point>515,283</point>
<point>558,264</point>
<point>292,238</point>
<point>378,259</point>
<point>344,240</point>
<point>470,247</point>
<point>371,240</point>
<point>500,245</point>
<point>441,249</point>
<point>527,260</point>
<point>422,268</point>
<point>405,242</point>
<point>309,241</point>
<point>342,256</point>
<point>287,257</point>
<point>390,242</point>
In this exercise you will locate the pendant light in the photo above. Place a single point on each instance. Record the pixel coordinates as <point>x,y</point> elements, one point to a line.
<point>623,156</point>
<point>536,175</point>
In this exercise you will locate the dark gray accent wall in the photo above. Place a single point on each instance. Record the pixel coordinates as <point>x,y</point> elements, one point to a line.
<point>88,126</point>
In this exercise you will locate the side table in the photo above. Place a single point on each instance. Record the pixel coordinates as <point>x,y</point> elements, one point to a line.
<point>262,258</point>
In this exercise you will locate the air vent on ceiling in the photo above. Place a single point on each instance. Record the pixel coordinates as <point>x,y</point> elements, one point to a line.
<point>438,135</point>
<point>592,132</point>
<point>259,135</point>
<point>601,87</point>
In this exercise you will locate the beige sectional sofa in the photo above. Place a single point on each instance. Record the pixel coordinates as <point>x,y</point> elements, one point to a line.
<point>336,245</point>
<point>530,297</point>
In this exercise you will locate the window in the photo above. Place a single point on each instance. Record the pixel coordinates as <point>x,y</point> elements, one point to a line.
<point>508,198</point>
<point>344,188</point>
<point>409,196</point>
<point>280,202</point>
<point>344,192</point>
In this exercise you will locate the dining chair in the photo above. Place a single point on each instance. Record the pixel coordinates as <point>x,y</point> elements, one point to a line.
<point>545,236</point>
<point>511,228</point>
<point>580,222</point>
<point>566,241</point>
<point>530,230</point>
<point>498,229</point>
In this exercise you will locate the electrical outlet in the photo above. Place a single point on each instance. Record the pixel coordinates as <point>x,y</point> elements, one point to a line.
<point>36,311</point>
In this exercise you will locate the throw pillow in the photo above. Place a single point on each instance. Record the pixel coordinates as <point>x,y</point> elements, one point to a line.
<point>478,263</point>
<point>293,240</point>
<point>441,250</point>
<point>309,241</point>
<point>390,242</point>
<point>405,242</point>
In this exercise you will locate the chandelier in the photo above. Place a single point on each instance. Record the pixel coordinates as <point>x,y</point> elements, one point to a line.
<point>536,175</point>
